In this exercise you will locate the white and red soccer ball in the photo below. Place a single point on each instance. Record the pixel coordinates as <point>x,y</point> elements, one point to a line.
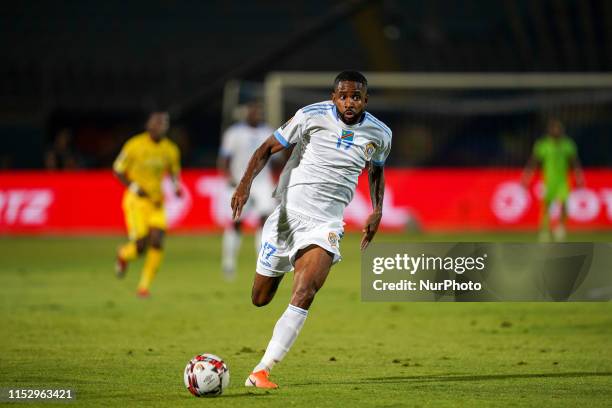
<point>206,375</point>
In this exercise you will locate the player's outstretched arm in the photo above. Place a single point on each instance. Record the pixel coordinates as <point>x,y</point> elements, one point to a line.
<point>122,178</point>
<point>176,183</point>
<point>578,173</point>
<point>258,161</point>
<point>175,170</point>
<point>376,178</point>
<point>130,185</point>
<point>121,166</point>
<point>529,171</point>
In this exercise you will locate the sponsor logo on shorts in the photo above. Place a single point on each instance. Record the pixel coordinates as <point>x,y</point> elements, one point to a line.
<point>333,239</point>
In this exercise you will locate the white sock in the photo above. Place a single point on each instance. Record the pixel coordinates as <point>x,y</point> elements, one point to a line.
<point>285,332</point>
<point>257,239</point>
<point>231,245</point>
<point>559,232</point>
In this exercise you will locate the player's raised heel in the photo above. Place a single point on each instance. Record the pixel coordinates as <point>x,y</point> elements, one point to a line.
<point>120,267</point>
<point>259,379</point>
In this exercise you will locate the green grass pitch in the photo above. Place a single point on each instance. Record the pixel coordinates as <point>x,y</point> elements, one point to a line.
<point>67,322</point>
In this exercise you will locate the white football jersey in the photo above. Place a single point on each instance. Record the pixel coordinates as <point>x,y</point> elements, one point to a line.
<point>239,143</point>
<point>320,178</point>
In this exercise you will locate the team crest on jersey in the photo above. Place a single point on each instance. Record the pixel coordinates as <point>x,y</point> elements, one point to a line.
<point>346,139</point>
<point>333,239</point>
<point>369,150</point>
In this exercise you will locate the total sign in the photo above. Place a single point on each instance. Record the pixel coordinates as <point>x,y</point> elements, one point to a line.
<point>427,199</point>
<point>511,202</point>
<point>25,206</point>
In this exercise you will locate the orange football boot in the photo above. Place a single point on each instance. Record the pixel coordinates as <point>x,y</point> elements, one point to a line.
<point>143,293</point>
<point>259,379</point>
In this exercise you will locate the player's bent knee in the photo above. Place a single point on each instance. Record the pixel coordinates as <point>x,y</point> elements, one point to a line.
<point>264,289</point>
<point>141,246</point>
<point>260,300</point>
<point>261,296</point>
<point>156,239</point>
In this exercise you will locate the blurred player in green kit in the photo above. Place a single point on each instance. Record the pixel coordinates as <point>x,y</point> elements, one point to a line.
<point>557,154</point>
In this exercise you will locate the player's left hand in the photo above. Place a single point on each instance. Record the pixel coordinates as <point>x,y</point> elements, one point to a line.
<point>580,183</point>
<point>370,228</point>
<point>239,199</point>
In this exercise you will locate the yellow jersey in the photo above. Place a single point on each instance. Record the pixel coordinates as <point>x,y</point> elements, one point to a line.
<point>146,162</point>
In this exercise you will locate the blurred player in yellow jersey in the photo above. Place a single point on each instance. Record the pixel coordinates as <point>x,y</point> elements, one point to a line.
<point>141,166</point>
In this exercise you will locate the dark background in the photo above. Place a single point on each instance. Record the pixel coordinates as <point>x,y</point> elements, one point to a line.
<point>94,69</point>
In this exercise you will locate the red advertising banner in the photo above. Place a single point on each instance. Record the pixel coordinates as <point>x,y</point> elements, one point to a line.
<point>432,200</point>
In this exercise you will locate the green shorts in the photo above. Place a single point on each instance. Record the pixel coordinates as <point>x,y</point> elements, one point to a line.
<point>556,192</point>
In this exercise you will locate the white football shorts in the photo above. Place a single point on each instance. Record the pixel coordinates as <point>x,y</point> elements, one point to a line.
<point>286,232</point>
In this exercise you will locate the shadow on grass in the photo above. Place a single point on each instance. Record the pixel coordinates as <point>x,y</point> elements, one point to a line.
<point>447,378</point>
<point>247,394</point>
<point>183,396</point>
<point>451,378</point>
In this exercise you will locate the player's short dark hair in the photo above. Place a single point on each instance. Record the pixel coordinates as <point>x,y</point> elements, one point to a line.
<point>155,106</point>
<point>354,76</point>
<point>153,112</point>
<point>253,101</point>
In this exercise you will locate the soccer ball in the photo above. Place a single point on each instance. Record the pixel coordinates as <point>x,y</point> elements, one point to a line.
<point>206,375</point>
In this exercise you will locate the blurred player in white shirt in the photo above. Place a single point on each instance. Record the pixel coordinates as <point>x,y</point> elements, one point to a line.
<point>332,141</point>
<point>237,146</point>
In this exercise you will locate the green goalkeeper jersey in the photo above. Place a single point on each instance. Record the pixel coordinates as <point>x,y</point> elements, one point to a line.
<point>556,156</point>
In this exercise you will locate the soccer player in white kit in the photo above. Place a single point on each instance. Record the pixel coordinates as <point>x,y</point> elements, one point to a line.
<point>237,146</point>
<point>332,142</point>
